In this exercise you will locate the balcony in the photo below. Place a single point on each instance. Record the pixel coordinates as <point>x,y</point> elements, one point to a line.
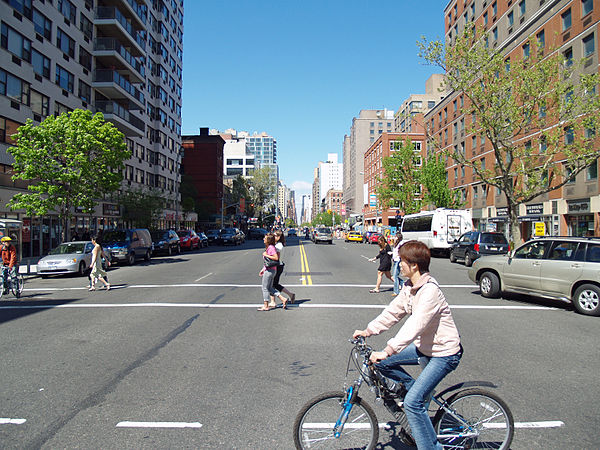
<point>110,52</point>
<point>112,21</point>
<point>113,85</point>
<point>121,118</point>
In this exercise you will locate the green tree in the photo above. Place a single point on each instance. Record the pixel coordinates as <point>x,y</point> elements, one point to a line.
<point>401,184</point>
<point>259,187</point>
<point>538,113</point>
<point>72,160</point>
<point>434,179</point>
<point>141,208</point>
<point>326,218</point>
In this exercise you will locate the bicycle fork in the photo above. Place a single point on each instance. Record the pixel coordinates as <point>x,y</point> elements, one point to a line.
<point>351,394</point>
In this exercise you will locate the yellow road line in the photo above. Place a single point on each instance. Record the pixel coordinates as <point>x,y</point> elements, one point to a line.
<point>306,279</point>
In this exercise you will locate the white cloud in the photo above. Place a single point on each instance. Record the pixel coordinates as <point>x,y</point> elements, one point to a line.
<point>300,186</point>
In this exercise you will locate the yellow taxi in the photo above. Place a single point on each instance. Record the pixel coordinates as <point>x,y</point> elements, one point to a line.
<point>354,236</point>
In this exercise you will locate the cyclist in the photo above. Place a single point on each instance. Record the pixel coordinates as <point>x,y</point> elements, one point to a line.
<point>9,262</point>
<point>428,337</point>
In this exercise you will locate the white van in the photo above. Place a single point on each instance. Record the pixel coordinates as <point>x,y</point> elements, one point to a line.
<point>437,229</point>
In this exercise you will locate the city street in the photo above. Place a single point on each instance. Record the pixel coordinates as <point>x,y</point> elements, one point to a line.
<point>176,355</point>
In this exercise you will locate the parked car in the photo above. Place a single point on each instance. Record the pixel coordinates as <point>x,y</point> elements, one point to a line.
<point>203,240</point>
<point>474,244</point>
<point>69,257</point>
<point>256,233</point>
<point>188,239</point>
<point>323,234</point>
<point>367,236</point>
<point>354,236</point>
<point>231,236</point>
<point>373,238</point>
<point>564,268</point>
<point>165,242</point>
<point>214,236</point>
<point>127,245</point>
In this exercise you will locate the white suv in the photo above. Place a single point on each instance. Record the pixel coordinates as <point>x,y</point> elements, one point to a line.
<point>564,268</point>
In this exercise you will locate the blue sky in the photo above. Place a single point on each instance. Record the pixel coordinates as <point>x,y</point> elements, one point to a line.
<point>301,70</point>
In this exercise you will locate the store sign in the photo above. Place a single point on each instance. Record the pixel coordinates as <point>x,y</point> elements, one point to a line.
<point>373,200</point>
<point>578,206</point>
<point>539,228</point>
<point>110,209</point>
<point>535,209</point>
<point>502,211</point>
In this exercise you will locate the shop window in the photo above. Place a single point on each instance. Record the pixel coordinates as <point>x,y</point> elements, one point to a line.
<point>591,172</point>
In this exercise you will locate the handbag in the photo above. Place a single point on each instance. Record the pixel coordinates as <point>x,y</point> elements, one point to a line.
<point>270,263</point>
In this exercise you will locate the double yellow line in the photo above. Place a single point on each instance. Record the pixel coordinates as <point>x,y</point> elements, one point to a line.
<point>306,278</point>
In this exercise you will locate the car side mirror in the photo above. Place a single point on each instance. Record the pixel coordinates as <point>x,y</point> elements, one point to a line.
<point>456,241</point>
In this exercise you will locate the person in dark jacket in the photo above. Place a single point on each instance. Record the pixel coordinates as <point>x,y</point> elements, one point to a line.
<point>385,263</point>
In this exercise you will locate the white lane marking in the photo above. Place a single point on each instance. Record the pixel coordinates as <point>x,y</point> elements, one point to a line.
<point>543,424</point>
<point>128,424</point>
<point>201,278</point>
<point>253,305</point>
<point>7,421</point>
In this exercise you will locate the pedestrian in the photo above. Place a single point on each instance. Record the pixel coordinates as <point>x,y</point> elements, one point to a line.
<point>398,281</point>
<point>385,263</point>
<point>270,263</point>
<point>104,260</point>
<point>279,244</point>
<point>428,337</point>
<point>97,272</point>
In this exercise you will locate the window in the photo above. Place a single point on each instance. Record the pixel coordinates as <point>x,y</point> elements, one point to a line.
<point>85,58</point>
<point>586,7</point>
<point>591,172</point>
<point>85,92</point>
<point>588,45</point>
<point>495,33</point>
<point>568,57</point>
<point>541,39</point>
<point>543,144</point>
<point>7,129</point>
<point>430,104</point>
<point>526,51</point>
<point>511,19</point>
<point>534,250</point>
<point>41,24</point>
<point>23,6</point>
<point>65,79</point>
<point>485,19</point>
<point>65,43</point>
<point>522,8</point>
<point>494,8</point>
<point>41,64</point>
<point>86,27</point>
<point>14,88</point>
<point>569,175</point>
<point>40,104</point>
<point>67,9</point>
<point>15,43</point>
<point>569,136</point>
<point>566,19</point>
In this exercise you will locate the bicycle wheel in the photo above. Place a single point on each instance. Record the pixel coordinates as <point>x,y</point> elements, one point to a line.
<point>17,285</point>
<point>313,427</point>
<point>490,422</point>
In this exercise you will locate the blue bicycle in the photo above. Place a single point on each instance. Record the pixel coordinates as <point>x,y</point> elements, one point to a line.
<point>466,416</point>
<point>11,282</point>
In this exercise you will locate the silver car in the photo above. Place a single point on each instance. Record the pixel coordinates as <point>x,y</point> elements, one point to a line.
<point>323,234</point>
<point>563,268</point>
<point>69,257</point>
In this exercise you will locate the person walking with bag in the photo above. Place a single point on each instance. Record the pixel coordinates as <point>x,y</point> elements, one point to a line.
<point>385,263</point>
<point>279,244</point>
<point>97,272</point>
<point>270,263</point>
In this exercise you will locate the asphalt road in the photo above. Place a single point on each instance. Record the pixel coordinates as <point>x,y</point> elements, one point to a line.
<point>176,355</point>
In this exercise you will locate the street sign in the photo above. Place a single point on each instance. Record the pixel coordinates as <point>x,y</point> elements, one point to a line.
<point>373,200</point>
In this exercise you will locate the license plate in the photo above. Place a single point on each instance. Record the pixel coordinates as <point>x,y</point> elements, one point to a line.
<point>494,248</point>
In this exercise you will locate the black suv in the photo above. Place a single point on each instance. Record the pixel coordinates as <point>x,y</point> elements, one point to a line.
<point>474,244</point>
<point>166,242</point>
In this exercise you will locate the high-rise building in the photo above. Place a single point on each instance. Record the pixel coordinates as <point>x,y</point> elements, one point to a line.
<point>330,175</point>
<point>120,57</point>
<point>409,117</point>
<point>365,129</point>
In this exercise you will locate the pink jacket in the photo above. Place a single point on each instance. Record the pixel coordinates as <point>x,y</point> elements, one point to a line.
<point>430,324</point>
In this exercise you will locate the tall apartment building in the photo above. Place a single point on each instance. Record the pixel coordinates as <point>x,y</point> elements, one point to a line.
<point>330,175</point>
<point>120,57</point>
<point>283,198</point>
<point>409,116</point>
<point>316,193</point>
<point>334,200</point>
<point>306,209</point>
<point>570,26</point>
<point>237,158</point>
<point>365,129</point>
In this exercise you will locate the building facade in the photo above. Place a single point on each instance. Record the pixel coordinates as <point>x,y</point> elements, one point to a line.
<point>123,58</point>
<point>571,27</point>
<point>331,173</point>
<point>409,117</point>
<point>334,200</point>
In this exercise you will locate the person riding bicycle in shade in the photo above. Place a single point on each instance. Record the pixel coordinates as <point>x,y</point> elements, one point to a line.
<point>9,261</point>
<point>428,337</point>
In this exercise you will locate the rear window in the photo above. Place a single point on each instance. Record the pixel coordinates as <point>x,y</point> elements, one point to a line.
<point>593,253</point>
<point>114,236</point>
<point>323,230</point>
<point>493,238</point>
<point>182,233</point>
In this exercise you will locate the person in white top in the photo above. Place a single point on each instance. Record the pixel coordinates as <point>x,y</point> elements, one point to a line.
<point>279,244</point>
<point>398,281</point>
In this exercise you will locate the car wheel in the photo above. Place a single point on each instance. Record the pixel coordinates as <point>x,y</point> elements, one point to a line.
<point>170,251</point>
<point>81,271</point>
<point>489,285</point>
<point>468,260</point>
<point>452,257</point>
<point>178,250</point>
<point>147,256</point>
<point>587,300</point>
<point>131,259</point>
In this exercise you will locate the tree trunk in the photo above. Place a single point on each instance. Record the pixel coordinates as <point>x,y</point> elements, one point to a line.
<point>515,229</point>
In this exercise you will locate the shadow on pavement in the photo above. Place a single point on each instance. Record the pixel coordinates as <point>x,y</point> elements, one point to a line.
<point>16,309</point>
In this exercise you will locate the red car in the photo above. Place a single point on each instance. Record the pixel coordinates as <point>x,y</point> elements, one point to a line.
<point>373,238</point>
<point>189,239</point>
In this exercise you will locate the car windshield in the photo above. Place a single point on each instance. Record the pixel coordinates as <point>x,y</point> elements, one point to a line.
<point>183,233</point>
<point>156,235</point>
<point>114,236</point>
<point>212,232</point>
<point>323,230</point>
<point>64,249</point>
<point>493,239</point>
<point>228,231</point>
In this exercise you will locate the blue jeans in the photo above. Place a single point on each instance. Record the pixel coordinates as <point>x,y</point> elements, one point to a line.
<point>416,401</point>
<point>6,274</point>
<point>267,284</point>
<point>398,282</point>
